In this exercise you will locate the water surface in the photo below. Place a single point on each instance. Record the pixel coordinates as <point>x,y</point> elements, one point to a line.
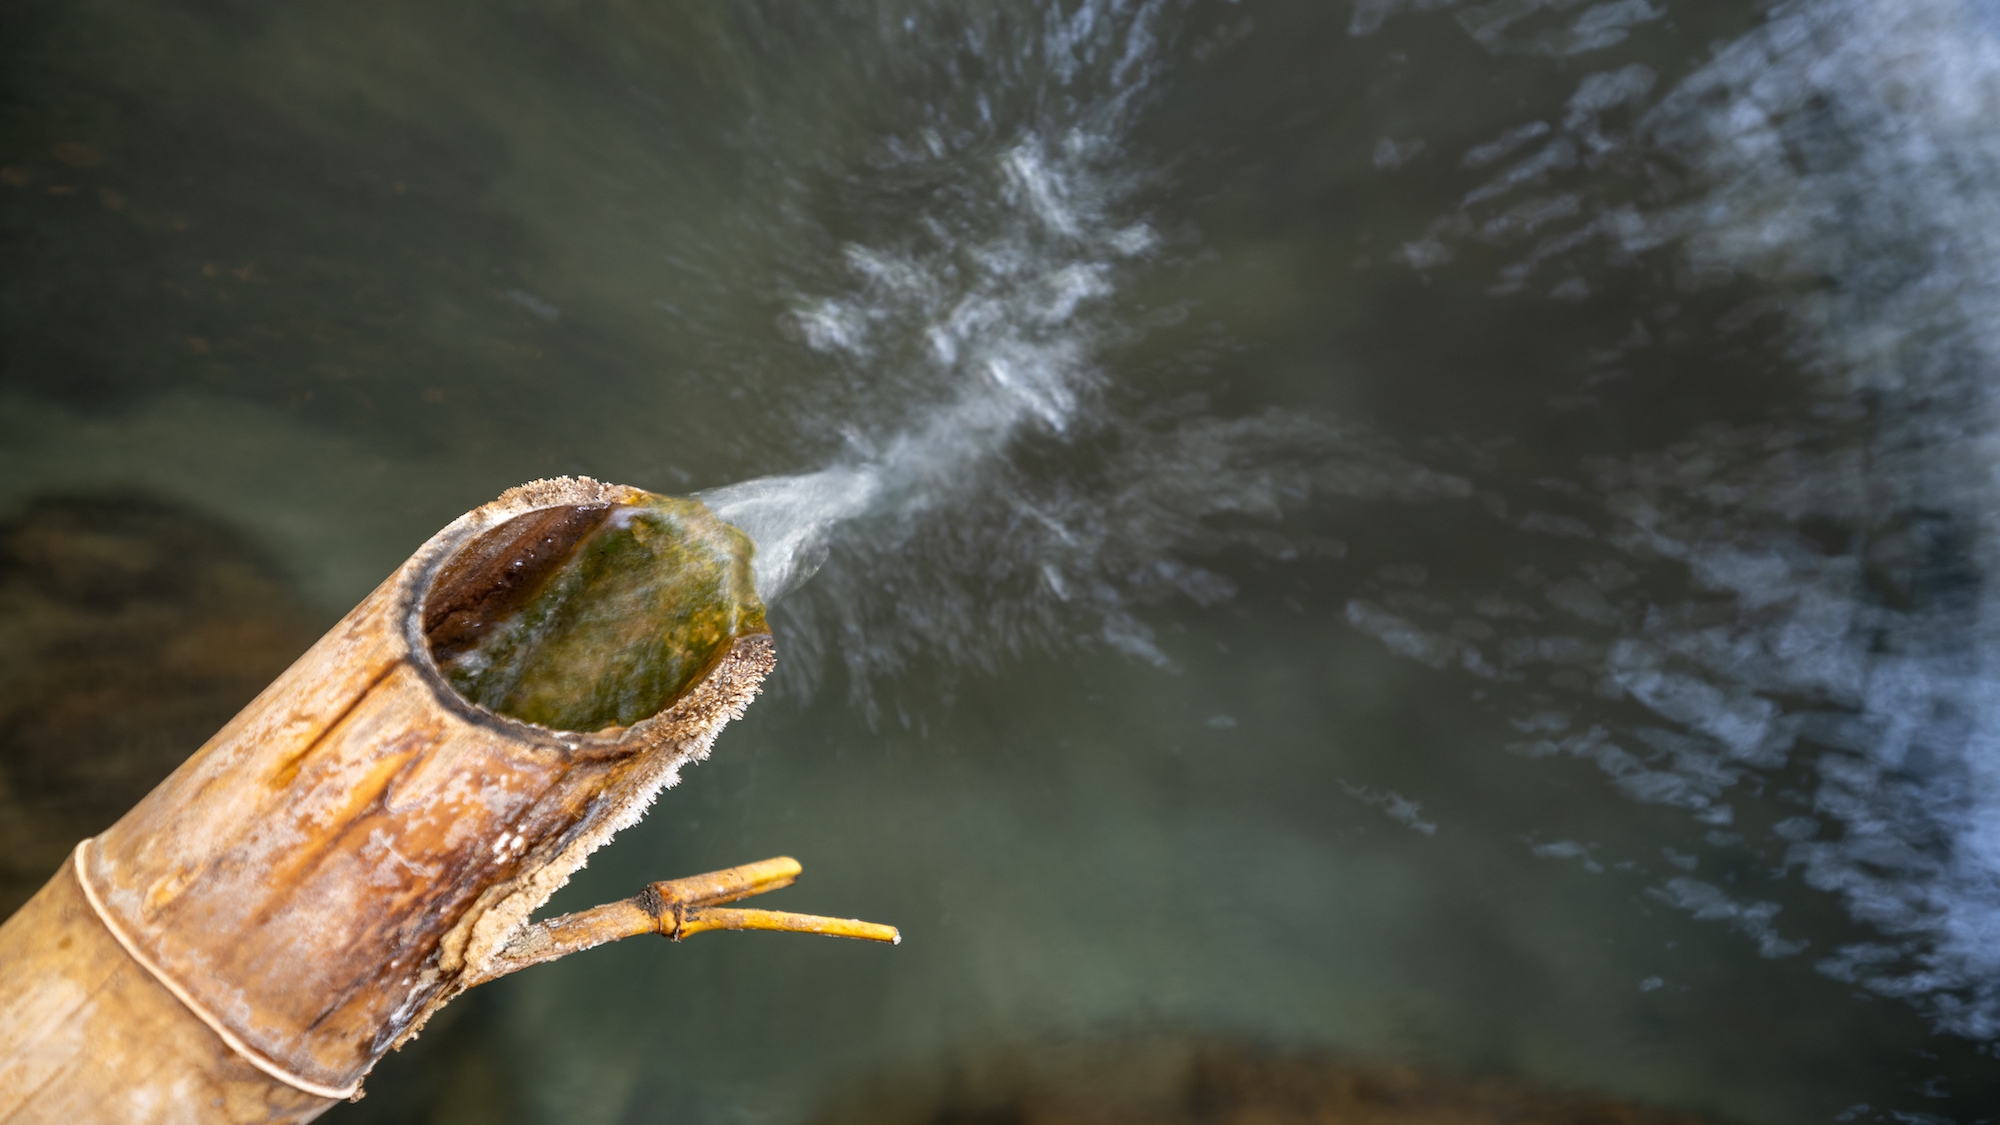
<point>1450,533</point>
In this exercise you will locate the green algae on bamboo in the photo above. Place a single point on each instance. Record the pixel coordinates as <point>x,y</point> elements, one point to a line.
<point>591,616</point>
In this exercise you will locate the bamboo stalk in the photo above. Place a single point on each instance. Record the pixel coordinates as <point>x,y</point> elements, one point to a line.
<point>358,846</point>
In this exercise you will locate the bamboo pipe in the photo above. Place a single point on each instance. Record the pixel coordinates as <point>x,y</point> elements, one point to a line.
<point>358,846</point>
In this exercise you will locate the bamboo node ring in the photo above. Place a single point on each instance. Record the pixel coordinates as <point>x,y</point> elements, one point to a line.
<point>351,1092</point>
<point>676,909</point>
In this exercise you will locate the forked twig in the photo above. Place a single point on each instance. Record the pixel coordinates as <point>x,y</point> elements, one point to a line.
<point>676,908</point>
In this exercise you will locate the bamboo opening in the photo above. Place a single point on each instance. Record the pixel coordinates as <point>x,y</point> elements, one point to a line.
<point>594,617</point>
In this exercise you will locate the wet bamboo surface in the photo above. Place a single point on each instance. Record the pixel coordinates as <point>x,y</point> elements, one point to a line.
<point>355,848</point>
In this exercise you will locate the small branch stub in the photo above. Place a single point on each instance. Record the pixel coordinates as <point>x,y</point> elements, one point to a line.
<point>676,908</point>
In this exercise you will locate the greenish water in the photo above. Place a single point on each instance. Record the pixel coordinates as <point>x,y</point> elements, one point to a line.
<point>603,616</point>
<point>1453,533</point>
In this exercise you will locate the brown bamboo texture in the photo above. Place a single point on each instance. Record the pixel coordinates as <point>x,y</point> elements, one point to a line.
<point>359,845</point>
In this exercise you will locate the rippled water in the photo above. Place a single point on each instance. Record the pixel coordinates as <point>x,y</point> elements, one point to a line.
<point>1451,532</point>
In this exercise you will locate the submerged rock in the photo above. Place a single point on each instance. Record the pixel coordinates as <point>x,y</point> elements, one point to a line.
<point>1194,1081</point>
<point>592,616</point>
<point>131,628</point>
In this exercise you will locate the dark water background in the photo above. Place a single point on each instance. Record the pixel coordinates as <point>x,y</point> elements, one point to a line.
<point>1449,533</point>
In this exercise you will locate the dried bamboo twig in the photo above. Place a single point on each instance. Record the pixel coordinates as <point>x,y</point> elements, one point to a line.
<point>676,908</point>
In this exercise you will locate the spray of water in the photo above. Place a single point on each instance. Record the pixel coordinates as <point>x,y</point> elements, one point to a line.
<point>993,284</point>
<point>986,315</point>
<point>1844,140</point>
<point>1003,324</point>
<point>1844,156</point>
<point>1855,141</point>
